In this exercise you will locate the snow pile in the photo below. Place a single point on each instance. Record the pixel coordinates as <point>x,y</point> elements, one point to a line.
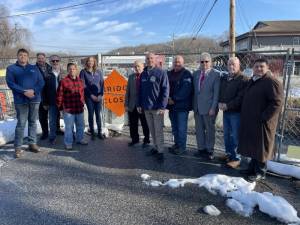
<point>214,183</point>
<point>115,127</point>
<point>284,169</point>
<point>211,210</point>
<point>274,206</point>
<point>237,207</point>
<point>7,130</point>
<point>242,198</point>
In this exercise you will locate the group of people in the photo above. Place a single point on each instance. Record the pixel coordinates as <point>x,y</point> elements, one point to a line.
<point>43,91</point>
<point>250,106</point>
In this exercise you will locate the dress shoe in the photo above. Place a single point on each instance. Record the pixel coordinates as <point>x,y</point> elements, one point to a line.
<point>18,153</point>
<point>34,148</point>
<point>133,143</point>
<point>256,177</point>
<point>44,137</point>
<point>233,164</point>
<point>201,153</point>
<point>152,152</point>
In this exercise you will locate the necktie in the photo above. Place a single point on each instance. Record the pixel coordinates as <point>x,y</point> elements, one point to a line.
<point>201,80</point>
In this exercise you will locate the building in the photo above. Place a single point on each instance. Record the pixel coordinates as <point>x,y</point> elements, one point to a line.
<point>269,35</point>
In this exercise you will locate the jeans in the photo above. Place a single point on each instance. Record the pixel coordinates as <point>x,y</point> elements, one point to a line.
<point>26,112</point>
<point>94,108</point>
<point>134,118</point>
<point>179,127</point>
<point>231,126</point>
<point>53,114</point>
<point>70,120</point>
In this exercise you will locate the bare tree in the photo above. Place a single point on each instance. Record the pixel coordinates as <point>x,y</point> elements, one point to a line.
<point>12,36</point>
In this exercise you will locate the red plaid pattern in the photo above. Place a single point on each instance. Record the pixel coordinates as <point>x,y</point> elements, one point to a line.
<point>70,95</point>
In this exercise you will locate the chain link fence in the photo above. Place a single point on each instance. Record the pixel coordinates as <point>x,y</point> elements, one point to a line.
<point>289,122</point>
<point>284,64</point>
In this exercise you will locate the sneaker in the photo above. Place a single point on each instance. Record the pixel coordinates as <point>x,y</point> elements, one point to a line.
<point>18,153</point>
<point>82,142</point>
<point>133,143</point>
<point>68,147</point>
<point>233,164</point>
<point>34,148</point>
<point>160,156</point>
<point>152,152</point>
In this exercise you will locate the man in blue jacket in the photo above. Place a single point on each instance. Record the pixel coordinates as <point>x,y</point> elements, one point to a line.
<point>180,103</point>
<point>26,83</point>
<point>153,99</point>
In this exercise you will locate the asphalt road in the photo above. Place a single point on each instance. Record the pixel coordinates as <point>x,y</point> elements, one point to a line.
<point>100,184</point>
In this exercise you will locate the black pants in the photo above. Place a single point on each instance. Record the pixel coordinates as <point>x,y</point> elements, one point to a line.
<point>134,117</point>
<point>257,167</point>
<point>43,118</point>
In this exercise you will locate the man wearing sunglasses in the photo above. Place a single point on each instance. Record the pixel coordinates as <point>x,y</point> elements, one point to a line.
<point>51,86</point>
<point>206,93</point>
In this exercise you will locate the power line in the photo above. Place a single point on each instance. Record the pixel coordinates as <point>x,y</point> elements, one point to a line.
<point>52,10</point>
<point>203,22</point>
<point>200,16</point>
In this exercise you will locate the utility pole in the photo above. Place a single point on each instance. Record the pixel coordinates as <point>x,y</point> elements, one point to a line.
<point>232,28</point>
<point>173,43</point>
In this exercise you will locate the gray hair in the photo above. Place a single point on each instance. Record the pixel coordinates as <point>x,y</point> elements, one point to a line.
<point>205,55</point>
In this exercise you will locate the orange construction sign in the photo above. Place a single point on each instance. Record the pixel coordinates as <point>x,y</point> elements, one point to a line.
<point>114,93</point>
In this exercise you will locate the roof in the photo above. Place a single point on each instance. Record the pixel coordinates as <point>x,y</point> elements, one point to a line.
<point>270,28</point>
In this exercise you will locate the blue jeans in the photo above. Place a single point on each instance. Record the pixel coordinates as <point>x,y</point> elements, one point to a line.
<point>231,126</point>
<point>53,113</point>
<point>94,108</point>
<point>179,127</point>
<point>70,120</point>
<point>26,112</point>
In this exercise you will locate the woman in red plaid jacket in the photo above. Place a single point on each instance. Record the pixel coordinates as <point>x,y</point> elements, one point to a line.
<point>70,99</point>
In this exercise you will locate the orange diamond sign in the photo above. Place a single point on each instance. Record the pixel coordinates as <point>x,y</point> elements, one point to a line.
<point>114,93</point>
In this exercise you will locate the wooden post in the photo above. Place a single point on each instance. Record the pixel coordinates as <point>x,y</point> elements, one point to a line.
<point>232,28</point>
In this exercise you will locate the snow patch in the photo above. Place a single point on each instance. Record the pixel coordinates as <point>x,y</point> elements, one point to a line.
<point>242,197</point>
<point>7,130</point>
<point>211,210</point>
<point>284,169</point>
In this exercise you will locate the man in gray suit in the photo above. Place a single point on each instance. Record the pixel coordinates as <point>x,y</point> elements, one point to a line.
<point>206,94</point>
<point>131,99</point>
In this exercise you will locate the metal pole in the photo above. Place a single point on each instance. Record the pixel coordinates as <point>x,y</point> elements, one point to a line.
<point>283,118</point>
<point>232,28</point>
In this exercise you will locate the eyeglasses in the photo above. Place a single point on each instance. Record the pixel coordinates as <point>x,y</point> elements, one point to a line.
<point>204,61</point>
<point>54,61</point>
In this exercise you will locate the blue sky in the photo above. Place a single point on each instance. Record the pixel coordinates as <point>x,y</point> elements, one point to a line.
<point>115,23</point>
